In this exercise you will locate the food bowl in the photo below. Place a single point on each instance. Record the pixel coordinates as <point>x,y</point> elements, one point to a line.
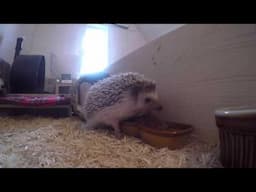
<point>158,133</point>
<point>171,134</point>
<point>130,129</point>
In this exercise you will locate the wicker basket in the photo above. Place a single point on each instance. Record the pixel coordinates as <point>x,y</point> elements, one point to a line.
<point>237,133</point>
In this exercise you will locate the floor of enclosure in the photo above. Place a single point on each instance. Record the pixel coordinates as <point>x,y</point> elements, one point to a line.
<point>47,142</point>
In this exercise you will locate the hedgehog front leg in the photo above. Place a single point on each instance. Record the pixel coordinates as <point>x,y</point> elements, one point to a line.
<point>118,133</point>
<point>89,124</point>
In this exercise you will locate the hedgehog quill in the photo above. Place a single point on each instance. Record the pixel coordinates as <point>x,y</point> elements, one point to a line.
<point>117,98</point>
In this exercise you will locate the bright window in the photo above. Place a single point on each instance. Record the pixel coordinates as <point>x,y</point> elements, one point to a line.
<point>95,49</point>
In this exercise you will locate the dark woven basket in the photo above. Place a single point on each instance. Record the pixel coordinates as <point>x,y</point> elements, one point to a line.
<point>237,133</point>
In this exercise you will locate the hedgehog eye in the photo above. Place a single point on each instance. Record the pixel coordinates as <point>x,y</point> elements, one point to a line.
<point>147,100</point>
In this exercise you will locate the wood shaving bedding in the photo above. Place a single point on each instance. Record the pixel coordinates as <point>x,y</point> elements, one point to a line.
<point>47,142</point>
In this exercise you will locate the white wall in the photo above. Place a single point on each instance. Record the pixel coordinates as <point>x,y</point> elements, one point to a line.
<point>199,68</point>
<point>8,37</point>
<point>61,43</point>
<point>122,42</point>
<point>154,31</point>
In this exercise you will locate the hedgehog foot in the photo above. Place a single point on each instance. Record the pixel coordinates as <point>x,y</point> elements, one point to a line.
<point>118,133</point>
<point>86,125</point>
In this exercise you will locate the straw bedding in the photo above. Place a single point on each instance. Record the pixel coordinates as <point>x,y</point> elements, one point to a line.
<point>46,142</point>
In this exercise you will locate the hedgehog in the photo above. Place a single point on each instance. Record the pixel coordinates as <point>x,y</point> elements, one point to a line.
<point>118,98</point>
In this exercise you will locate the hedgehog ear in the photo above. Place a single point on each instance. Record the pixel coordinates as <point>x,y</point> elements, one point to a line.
<point>135,91</point>
<point>150,87</point>
<point>153,85</point>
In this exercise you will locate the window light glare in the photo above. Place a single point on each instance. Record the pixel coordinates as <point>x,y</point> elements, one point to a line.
<point>95,50</point>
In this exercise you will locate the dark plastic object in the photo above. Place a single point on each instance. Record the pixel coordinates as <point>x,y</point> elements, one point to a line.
<point>28,74</point>
<point>237,133</point>
<point>18,47</point>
